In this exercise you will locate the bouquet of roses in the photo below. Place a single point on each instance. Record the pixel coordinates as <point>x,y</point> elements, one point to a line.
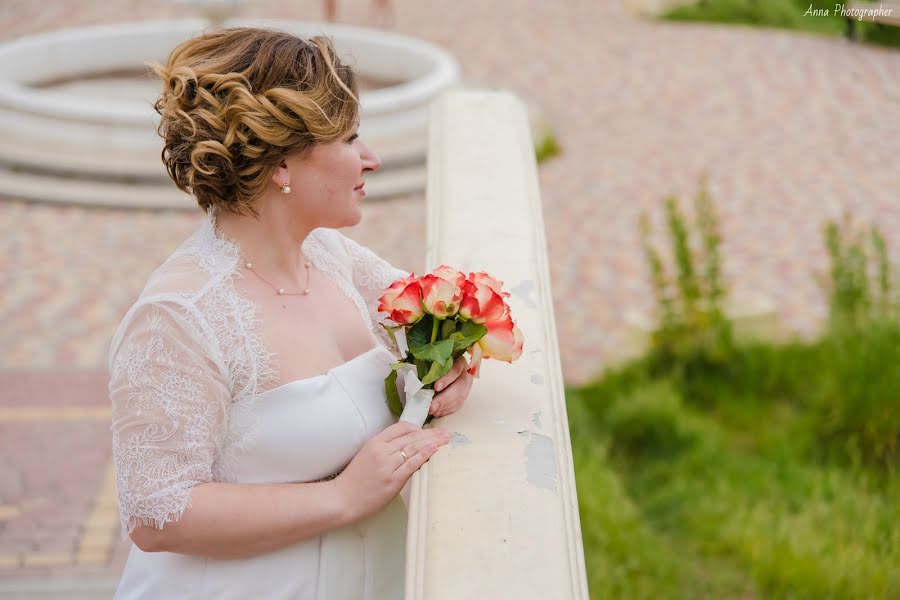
<point>436,318</point>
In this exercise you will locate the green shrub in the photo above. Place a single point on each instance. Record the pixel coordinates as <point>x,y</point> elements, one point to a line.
<point>859,411</point>
<point>690,317</point>
<point>624,556</point>
<point>880,34</point>
<point>650,423</point>
<point>861,280</point>
<point>671,491</point>
<point>547,148</point>
<point>715,469</point>
<point>841,392</point>
<point>783,14</point>
<point>773,13</point>
<point>860,406</point>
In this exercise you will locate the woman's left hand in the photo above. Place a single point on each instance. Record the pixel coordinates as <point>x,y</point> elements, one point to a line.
<point>452,389</point>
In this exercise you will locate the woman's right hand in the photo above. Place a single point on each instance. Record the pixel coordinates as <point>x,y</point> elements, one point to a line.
<point>378,471</point>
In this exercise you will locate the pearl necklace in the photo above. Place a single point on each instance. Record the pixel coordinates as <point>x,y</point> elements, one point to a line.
<point>278,290</point>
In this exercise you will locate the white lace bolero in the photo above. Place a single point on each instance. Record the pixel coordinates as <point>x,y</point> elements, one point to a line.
<point>187,363</point>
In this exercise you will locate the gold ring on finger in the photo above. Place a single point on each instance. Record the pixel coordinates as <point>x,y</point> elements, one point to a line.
<point>403,454</point>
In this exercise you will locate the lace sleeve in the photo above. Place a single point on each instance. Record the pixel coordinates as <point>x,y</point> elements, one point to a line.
<point>371,276</point>
<point>169,404</point>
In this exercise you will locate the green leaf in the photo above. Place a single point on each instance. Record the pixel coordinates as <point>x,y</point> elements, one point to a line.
<point>393,396</point>
<point>448,326</point>
<point>438,351</point>
<point>468,335</point>
<point>438,369</point>
<point>420,333</point>
<point>422,367</point>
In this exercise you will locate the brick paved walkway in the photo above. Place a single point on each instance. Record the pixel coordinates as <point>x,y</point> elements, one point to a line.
<point>790,130</point>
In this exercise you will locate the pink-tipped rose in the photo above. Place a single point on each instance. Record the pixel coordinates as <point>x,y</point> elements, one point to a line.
<point>503,341</point>
<point>403,301</point>
<point>450,274</point>
<point>482,278</point>
<point>481,303</point>
<point>440,297</point>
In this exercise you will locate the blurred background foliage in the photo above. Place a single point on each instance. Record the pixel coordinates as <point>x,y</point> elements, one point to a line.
<point>716,468</point>
<point>785,14</point>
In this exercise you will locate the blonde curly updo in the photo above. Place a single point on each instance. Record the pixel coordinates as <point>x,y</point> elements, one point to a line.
<point>236,102</point>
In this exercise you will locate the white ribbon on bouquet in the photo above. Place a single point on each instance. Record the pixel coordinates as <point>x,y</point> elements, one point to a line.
<point>417,399</point>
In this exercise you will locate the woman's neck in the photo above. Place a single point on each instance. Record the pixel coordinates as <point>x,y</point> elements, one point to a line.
<point>271,242</point>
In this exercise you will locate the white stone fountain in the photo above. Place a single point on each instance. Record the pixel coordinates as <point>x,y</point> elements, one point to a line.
<point>77,123</point>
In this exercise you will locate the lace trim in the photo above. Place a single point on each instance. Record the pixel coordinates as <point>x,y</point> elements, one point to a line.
<point>371,274</point>
<point>243,423</point>
<point>317,252</point>
<point>252,367</point>
<point>231,329</point>
<point>154,484</point>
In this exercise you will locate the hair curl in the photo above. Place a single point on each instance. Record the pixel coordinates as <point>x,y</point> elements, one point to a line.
<point>236,102</point>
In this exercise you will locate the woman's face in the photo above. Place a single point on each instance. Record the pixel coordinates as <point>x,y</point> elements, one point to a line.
<point>328,182</point>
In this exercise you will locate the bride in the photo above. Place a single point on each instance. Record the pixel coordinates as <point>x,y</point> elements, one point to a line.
<point>255,455</point>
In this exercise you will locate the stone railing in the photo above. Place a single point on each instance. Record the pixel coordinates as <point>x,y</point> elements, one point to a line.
<point>495,513</point>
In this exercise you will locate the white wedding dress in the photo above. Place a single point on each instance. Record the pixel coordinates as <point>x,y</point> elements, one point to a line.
<point>195,399</point>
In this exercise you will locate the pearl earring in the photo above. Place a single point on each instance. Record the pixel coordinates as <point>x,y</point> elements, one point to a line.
<point>286,189</point>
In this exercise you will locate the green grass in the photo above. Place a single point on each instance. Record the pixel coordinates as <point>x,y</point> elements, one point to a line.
<point>712,468</point>
<point>625,557</point>
<point>782,14</point>
<point>547,148</point>
<point>728,479</point>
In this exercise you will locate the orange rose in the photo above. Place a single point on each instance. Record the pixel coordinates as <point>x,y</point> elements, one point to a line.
<point>403,301</point>
<point>440,297</point>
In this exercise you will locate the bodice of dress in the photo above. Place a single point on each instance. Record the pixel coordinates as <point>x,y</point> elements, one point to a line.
<point>311,428</point>
<point>192,384</point>
<point>308,428</point>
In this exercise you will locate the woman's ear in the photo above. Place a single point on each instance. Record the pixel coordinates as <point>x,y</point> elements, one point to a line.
<point>281,176</point>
